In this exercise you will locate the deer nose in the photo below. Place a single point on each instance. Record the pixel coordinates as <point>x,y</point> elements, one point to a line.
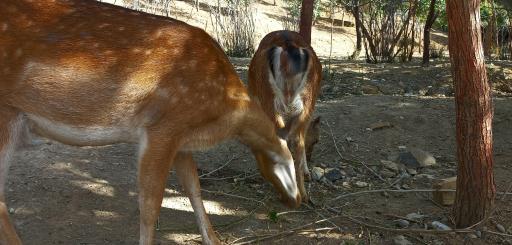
<point>292,202</point>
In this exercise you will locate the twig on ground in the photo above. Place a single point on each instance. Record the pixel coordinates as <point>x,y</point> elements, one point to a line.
<point>260,238</point>
<point>219,168</point>
<point>232,195</point>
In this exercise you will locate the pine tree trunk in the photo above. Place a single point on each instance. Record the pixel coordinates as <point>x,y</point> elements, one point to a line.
<point>431,19</point>
<point>306,20</point>
<point>475,182</point>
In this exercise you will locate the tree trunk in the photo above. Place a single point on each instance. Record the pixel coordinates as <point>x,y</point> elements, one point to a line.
<point>475,182</point>
<point>491,36</point>
<point>413,35</point>
<point>306,20</point>
<point>431,19</point>
<point>359,35</point>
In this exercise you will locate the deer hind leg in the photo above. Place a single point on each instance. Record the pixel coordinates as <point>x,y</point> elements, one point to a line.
<point>11,124</point>
<point>156,158</point>
<point>186,171</point>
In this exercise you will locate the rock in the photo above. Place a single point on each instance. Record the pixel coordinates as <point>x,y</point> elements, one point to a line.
<point>440,226</point>
<point>501,228</point>
<point>472,236</point>
<point>402,223</point>
<point>11,210</point>
<point>408,159</point>
<point>426,176</point>
<point>370,89</point>
<point>317,173</point>
<point>333,174</point>
<point>385,173</point>
<point>424,158</point>
<point>478,234</point>
<point>390,165</point>
<point>415,216</point>
<point>412,171</point>
<point>346,184</point>
<point>361,184</point>
<point>401,240</point>
<point>442,197</point>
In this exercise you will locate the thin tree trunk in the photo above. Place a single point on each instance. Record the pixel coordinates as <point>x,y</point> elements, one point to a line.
<point>475,182</point>
<point>306,20</point>
<point>491,37</point>
<point>359,35</point>
<point>431,19</point>
<point>413,35</point>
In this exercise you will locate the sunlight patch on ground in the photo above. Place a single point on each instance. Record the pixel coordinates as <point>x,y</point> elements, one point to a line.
<point>106,214</point>
<point>68,167</point>
<point>96,188</point>
<point>181,238</point>
<point>212,207</point>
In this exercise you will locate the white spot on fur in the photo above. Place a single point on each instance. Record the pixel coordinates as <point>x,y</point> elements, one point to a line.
<point>4,26</point>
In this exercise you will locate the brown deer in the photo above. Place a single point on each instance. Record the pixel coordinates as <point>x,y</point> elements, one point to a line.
<point>285,76</point>
<point>87,73</point>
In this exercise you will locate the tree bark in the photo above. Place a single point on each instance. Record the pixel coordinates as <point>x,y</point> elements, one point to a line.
<point>306,20</point>
<point>475,182</point>
<point>431,19</point>
<point>359,35</point>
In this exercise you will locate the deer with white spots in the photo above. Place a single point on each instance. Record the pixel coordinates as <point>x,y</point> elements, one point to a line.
<point>285,76</point>
<point>89,73</point>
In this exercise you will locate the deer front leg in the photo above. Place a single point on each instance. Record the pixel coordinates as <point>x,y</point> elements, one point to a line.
<point>186,170</point>
<point>11,124</point>
<point>298,150</point>
<point>156,157</point>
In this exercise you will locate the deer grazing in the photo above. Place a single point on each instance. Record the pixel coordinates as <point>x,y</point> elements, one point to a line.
<point>285,76</point>
<point>87,73</point>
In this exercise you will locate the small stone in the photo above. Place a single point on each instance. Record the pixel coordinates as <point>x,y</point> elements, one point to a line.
<point>412,171</point>
<point>361,184</point>
<point>406,187</point>
<point>387,173</point>
<point>317,173</point>
<point>402,223</point>
<point>333,174</point>
<point>472,236</point>
<point>389,165</point>
<point>424,158</point>
<point>415,216</point>
<point>401,240</point>
<point>370,89</point>
<point>349,139</point>
<point>345,184</point>
<point>408,159</point>
<point>11,210</point>
<point>501,228</point>
<point>478,234</point>
<point>440,226</point>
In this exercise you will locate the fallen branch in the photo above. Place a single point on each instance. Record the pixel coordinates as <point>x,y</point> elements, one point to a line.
<point>260,238</point>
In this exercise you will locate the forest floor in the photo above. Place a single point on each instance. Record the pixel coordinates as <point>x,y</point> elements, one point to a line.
<point>371,115</point>
<point>59,194</point>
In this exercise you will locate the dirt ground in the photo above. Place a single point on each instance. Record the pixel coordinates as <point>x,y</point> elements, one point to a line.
<point>59,194</point>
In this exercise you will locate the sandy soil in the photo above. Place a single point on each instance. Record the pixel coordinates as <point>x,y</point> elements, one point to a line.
<point>59,194</point>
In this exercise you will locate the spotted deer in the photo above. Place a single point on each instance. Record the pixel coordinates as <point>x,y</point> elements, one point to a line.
<point>285,76</point>
<point>87,73</point>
